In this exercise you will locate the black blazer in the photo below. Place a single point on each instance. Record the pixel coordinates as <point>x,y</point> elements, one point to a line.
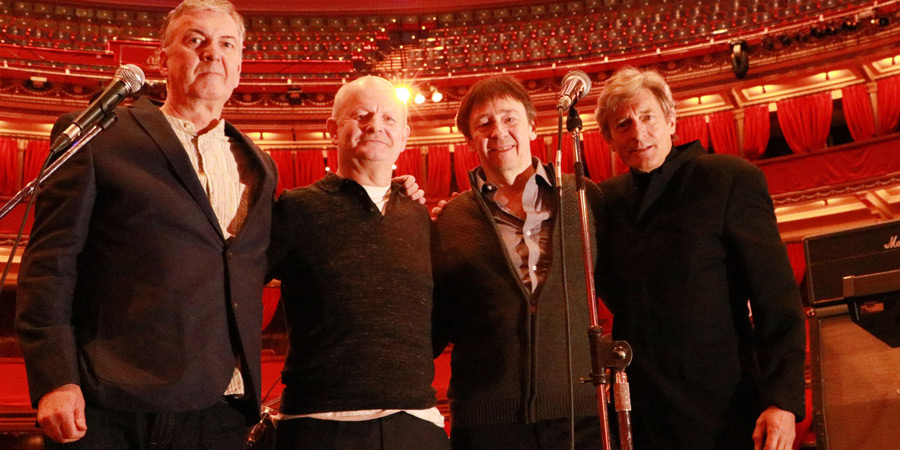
<point>128,287</point>
<point>682,264</point>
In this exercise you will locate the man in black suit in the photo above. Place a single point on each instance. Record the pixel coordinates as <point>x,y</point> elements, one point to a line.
<point>139,293</point>
<point>693,240</point>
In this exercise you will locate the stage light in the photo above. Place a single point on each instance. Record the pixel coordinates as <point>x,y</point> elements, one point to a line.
<point>436,96</point>
<point>740,60</point>
<point>419,99</point>
<point>403,94</point>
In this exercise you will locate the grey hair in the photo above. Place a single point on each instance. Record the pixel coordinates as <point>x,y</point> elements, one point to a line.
<point>625,84</point>
<point>192,6</point>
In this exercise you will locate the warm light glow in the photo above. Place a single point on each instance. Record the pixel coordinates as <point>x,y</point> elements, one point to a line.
<point>419,99</point>
<point>436,96</point>
<point>403,93</point>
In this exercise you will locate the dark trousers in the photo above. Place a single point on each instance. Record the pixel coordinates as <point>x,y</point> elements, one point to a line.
<point>550,434</point>
<point>398,431</point>
<point>219,427</point>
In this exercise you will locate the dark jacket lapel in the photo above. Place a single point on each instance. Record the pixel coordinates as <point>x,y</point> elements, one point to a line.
<point>154,122</point>
<point>266,177</point>
<point>658,183</point>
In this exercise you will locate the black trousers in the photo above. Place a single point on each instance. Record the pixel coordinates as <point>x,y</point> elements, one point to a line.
<point>550,434</point>
<point>219,427</point>
<point>398,431</point>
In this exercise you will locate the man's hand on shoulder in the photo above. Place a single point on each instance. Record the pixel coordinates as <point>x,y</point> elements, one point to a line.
<point>774,430</point>
<point>439,209</point>
<point>411,188</point>
<point>61,414</point>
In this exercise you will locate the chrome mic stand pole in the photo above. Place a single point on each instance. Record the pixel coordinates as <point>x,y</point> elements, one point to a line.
<point>605,355</point>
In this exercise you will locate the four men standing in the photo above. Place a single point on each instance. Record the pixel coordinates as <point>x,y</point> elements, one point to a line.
<point>139,305</point>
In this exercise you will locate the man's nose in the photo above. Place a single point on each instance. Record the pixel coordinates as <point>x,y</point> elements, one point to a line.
<point>374,124</point>
<point>209,53</point>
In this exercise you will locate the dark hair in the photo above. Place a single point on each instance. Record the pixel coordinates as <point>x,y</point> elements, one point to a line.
<point>493,88</point>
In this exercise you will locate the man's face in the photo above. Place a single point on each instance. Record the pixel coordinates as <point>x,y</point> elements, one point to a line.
<point>202,60</point>
<point>369,124</point>
<point>501,136</point>
<point>640,133</point>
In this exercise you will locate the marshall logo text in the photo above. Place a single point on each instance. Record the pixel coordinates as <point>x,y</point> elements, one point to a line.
<point>893,243</point>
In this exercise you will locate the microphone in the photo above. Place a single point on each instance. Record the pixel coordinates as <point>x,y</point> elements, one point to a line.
<point>128,80</point>
<point>575,85</point>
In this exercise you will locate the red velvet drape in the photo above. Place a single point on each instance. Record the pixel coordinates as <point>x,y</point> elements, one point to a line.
<point>597,156</point>
<point>409,162</point>
<point>438,171</point>
<point>797,256</point>
<point>723,134</point>
<point>888,104</point>
<point>9,167</point>
<point>463,161</point>
<point>567,156</point>
<point>756,130</point>
<point>284,162</point>
<point>36,153</point>
<point>539,149</point>
<point>805,121</point>
<point>309,167</point>
<point>690,129</point>
<point>858,112</point>
<point>332,160</point>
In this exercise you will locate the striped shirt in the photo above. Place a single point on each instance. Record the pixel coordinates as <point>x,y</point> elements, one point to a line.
<point>221,166</point>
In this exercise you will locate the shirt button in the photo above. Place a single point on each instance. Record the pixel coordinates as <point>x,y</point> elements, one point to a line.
<point>534,268</point>
<point>528,233</point>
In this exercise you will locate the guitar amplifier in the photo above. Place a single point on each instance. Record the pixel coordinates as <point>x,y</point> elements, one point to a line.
<point>855,252</point>
<point>853,277</point>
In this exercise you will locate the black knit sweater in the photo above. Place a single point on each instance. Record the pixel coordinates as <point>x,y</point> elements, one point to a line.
<point>356,287</point>
<point>509,355</point>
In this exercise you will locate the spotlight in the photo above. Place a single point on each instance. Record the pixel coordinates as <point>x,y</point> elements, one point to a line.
<point>419,99</point>
<point>740,60</point>
<point>436,96</point>
<point>402,94</point>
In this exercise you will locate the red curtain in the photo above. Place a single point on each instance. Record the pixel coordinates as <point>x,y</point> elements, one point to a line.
<point>284,162</point>
<point>797,256</point>
<point>438,171</point>
<point>567,156</point>
<point>888,104</point>
<point>309,167</point>
<point>805,121</point>
<point>36,153</point>
<point>756,130</point>
<point>332,160</point>
<point>539,149</point>
<point>463,161</point>
<point>723,134</point>
<point>597,157</point>
<point>690,129</point>
<point>858,112</point>
<point>9,167</point>
<point>408,163</point>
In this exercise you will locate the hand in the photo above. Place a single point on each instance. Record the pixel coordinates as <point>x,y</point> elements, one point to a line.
<point>411,188</point>
<point>61,414</point>
<point>439,209</point>
<point>774,429</point>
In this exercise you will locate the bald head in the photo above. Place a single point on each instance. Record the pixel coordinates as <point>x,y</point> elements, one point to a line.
<point>368,126</point>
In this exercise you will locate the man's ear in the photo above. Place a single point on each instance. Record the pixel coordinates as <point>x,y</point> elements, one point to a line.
<point>331,127</point>
<point>163,63</point>
<point>533,134</point>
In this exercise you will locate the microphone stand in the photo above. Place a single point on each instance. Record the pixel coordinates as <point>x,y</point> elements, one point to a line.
<point>606,356</point>
<point>75,146</point>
